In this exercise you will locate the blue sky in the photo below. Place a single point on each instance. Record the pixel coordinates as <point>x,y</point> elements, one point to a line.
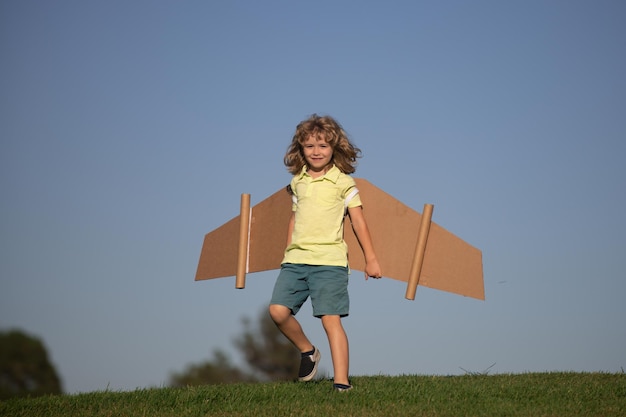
<point>129,129</point>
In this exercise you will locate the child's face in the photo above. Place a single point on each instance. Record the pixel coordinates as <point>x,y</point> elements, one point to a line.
<point>318,155</point>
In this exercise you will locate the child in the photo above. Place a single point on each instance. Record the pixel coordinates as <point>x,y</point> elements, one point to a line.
<point>316,260</point>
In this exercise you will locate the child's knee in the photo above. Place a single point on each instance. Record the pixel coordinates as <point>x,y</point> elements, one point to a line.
<point>279,313</point>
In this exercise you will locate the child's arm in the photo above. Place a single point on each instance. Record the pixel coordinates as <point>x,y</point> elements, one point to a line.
<point>372,268</point>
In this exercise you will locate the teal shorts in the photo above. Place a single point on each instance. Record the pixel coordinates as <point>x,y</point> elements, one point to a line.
<point>326,285</point>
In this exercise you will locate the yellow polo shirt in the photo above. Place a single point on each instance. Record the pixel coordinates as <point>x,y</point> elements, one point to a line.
<point>320,206</point>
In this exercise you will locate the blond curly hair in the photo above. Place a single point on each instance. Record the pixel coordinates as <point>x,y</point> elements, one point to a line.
<point>325,128</point>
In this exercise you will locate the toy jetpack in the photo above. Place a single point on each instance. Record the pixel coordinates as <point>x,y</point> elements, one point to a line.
<point>409,246</point>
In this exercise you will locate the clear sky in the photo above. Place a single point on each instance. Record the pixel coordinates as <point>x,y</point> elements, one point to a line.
<point>129,129</point>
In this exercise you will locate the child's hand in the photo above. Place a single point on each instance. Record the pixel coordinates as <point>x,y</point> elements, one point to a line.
<point>372,269</point>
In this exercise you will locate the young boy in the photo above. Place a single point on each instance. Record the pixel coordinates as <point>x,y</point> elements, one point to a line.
<point>315,264</point>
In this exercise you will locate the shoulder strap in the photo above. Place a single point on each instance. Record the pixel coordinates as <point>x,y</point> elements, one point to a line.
<point>350,196</point>
<point>294,198</point>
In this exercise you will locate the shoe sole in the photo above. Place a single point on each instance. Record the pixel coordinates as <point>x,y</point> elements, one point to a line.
<point>316,360</point>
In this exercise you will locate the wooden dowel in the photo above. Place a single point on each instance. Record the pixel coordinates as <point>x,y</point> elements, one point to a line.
<point>242,253</point>
<point>420,250</point>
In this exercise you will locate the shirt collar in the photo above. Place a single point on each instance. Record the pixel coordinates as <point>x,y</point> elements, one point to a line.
<point>332,174</point>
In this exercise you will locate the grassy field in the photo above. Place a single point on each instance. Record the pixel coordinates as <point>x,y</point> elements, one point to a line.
<point>532,394</point>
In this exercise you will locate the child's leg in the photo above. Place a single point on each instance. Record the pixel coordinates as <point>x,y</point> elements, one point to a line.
<point>290,327</point>
<point>338,341</point>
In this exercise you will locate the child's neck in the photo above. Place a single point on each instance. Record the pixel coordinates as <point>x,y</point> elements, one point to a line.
<point>318,173</point>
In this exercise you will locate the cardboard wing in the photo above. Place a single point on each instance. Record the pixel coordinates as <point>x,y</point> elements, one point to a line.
<point>409,246</point>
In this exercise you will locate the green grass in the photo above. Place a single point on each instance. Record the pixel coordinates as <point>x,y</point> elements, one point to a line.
<point>532,394</point>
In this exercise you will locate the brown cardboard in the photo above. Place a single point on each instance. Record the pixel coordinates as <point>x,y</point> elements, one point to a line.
<point>266,246</point>
<point>449,263</point>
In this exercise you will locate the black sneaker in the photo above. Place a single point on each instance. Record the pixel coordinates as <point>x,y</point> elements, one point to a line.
<point>308,365</point>
<point>342,387</point>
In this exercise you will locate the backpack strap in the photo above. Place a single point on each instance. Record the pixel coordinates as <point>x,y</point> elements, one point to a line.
<point>350,196</point>
<point>294,198</point>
